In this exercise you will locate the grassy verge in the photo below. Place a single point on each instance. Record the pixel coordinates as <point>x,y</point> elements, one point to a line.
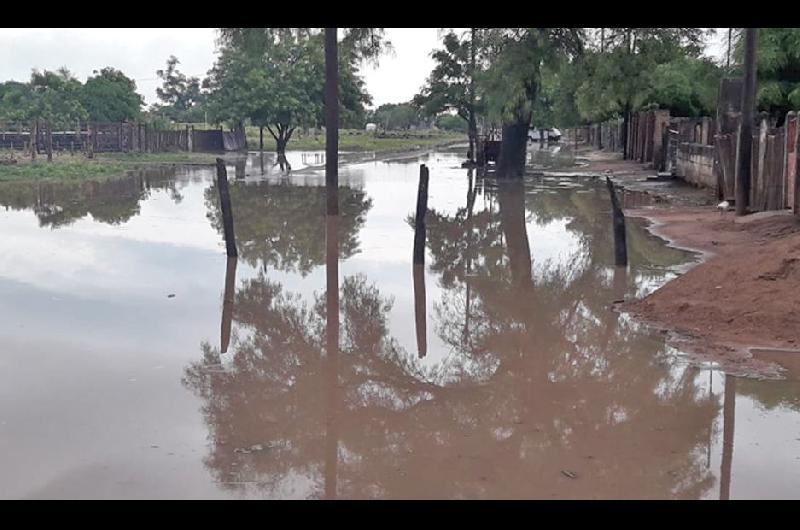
<point>106,165</point>
<point>356,140</point>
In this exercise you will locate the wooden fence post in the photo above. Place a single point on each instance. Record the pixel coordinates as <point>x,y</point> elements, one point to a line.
<point>618,220</point>
<point>419,221</point>
<point>225,206</point>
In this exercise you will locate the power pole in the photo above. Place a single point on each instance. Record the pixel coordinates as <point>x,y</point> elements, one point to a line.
<point>746,134</point>
<point>728,61</point>
<point>331,122</point>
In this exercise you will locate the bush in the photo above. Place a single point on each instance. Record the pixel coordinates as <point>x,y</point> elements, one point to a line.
<point>450,122</point>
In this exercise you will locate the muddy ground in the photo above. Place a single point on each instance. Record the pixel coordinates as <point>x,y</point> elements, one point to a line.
<point>742,299</point>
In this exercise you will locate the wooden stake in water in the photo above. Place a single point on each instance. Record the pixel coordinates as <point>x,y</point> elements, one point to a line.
<point>620,245</point>
<point>420,313</point>
<point>227,304</point>
<point>419,221</point>
<point>225,206</point>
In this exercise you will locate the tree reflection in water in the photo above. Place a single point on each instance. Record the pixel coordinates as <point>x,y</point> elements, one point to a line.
<point>113,201</point>
<point>282,226</point>
<point>542,376</point>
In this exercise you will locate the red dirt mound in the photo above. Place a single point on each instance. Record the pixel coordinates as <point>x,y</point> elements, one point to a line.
<point>746,293</point>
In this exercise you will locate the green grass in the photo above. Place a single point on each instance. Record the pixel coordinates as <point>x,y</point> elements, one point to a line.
<point>110,165</point>
<point>357,140</point>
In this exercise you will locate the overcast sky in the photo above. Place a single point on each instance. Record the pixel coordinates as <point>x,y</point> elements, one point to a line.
<point>140,52</point>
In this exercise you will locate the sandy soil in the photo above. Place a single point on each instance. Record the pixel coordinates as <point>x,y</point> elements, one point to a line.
<point>741,302</point>
<point>744,293</point>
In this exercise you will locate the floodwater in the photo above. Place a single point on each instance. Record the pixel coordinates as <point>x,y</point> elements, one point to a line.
<point>139,362</point>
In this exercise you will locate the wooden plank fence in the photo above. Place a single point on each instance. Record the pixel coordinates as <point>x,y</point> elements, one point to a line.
<point>117,137</point>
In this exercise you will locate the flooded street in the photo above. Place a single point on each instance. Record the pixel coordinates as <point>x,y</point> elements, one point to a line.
<point>139,362</point>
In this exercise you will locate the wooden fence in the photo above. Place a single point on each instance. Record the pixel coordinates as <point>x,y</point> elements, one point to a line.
<point>118,137</point>
<point>704,151</point>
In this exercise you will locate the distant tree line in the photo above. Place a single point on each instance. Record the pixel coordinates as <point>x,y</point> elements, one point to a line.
<point>514,78</point>
<point>60,98</point>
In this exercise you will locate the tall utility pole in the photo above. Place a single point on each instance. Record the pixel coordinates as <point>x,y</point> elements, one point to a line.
<point>746,134</point>
<point>331,122</point>
<point>728,61</point>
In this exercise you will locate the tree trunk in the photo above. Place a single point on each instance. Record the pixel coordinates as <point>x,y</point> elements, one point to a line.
<point>472,131</point>
<point>34,133</point>
<point>472,126</point>
<point>49,141</point>
<point>511,199</point>
<point>626,119</point>
<point>280,144</point>
<point>513,149</point>
<point>261,138</point>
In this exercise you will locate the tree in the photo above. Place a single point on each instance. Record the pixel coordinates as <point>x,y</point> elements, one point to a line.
<point>180,95</point>
<point>275,77</point>
<point>512,82</point>
<point>397,115</point>
<point>452,122</point>
<point>452,83</point>
<point>56,96</point>
<point>621,74</point>
<point>686,86</point>
<point>778,57</point>
<point>16,101</point>
<point>55,100</point>
<point>109,95</point>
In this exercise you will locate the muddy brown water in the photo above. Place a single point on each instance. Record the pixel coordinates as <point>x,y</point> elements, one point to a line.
<point>138,362</point>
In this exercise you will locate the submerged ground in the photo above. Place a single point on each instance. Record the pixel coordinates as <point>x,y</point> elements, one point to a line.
<point>498,369</point>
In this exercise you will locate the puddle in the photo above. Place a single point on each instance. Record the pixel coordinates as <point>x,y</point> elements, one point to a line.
<point>139,362</point>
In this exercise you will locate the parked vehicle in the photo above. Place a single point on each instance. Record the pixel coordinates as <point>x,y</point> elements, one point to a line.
<point>551,135</point>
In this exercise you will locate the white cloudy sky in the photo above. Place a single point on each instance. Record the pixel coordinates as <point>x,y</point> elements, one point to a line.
<point>140,52</point>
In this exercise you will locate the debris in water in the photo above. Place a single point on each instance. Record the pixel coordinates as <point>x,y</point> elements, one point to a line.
<point>153,446</point>
<point>569,474</point>
<point>171,295</point>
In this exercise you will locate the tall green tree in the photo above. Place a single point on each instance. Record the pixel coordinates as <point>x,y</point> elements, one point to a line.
<point>452,83</point>
<point>16,101</point>
<point>778,57</point>
<point>621,68</point>
<point>512,82</point>
<point>109,95</point>
<point>181,96</point>
<point>274,77</point>
<point>397,115</point>
<point>56,97</point>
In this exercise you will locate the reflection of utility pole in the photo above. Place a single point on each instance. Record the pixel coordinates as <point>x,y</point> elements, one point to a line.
<point>746,134</point>
<point>729,416</point>
<point>331,354</point>
<point>711,426</point>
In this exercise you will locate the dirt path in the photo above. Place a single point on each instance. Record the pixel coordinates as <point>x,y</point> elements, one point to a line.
<point>743,296</point>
